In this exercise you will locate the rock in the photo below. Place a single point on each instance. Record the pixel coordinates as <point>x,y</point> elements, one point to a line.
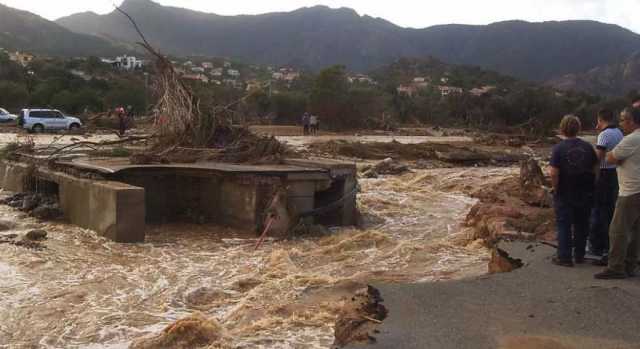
<point>204,296</point>
<point>6,225</point>
<point>370,173</point>
<point>194,331</point>
<point>387,166</point>
<point>36,235</point>
<point>531,174</point>
<point>245,285</point>
<point>47,212</point>
<point>501,262</point>
<point>358,319</point>
<point>30,202</point>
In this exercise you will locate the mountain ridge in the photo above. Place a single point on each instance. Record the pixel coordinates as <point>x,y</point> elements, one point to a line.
<point>319,36</point>
<point>25,31</point>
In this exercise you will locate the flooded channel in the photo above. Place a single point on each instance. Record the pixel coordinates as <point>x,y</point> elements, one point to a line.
<point>84,291</point>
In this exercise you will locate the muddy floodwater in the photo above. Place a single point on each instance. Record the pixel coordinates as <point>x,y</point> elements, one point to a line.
<point>83,291</point>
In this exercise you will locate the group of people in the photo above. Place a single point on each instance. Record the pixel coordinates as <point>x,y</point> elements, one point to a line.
<point>310,124</point>
<point>597,193</point>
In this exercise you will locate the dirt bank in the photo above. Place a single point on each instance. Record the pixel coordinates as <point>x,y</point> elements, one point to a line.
<point>446,154</point>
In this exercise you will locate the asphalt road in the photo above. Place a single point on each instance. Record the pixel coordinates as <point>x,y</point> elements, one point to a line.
<point>538,306</point>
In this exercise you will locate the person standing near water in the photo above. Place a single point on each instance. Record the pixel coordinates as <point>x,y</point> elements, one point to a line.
<point>573,175</point>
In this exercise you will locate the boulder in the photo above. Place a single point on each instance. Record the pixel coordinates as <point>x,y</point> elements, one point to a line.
<point>30,202</point>
<point>36,235</point>
<point>47,212</point>
<point>204,296</point>
<point>387,166</point>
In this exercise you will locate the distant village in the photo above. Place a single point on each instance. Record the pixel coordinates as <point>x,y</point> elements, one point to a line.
<point>253,77</point>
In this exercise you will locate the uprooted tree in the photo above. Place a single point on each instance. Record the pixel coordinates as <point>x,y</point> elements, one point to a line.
<point>182,126</point>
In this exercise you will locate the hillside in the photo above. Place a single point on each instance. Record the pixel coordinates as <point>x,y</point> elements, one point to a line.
<point>21,30</point>
<point>319,36</point>
<point>611,80</point>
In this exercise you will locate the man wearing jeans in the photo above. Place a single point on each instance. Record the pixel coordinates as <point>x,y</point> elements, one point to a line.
<point>624,232</point>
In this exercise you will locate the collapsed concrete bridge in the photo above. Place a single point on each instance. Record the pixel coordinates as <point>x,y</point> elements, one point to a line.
<point>126,197</point>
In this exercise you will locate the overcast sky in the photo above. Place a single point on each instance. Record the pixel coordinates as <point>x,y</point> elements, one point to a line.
<point>406,13</point>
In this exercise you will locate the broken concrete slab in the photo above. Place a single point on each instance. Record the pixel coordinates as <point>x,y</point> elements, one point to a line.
<point>129,196</point>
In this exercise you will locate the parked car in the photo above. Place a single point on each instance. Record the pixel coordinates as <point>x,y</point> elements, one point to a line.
<point>39,120</point>
<point>5,116</point>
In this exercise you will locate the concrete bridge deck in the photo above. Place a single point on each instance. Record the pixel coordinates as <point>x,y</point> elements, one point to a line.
<point>206,192</point>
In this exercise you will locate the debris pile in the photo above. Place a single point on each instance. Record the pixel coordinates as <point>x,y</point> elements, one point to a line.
<point>182,123</point>
<point>41,206</point>
<point>32,239</point>
<point>387,166</point>
<point>458,155</point>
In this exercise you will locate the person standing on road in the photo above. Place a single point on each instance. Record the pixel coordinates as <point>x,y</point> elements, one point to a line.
<point>305,124</point>
<point>573,175</point>
<point>313,125</point>
<point>606,187</point>
<point>624,232</point>
<point>122,121</point>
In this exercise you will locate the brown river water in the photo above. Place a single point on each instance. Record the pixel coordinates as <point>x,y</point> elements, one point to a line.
<point>84,291</point>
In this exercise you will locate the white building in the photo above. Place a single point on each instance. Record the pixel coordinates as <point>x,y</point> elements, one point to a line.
<point>233,72</point>
<point>447,90</point>
<point>207,65</point>
<point>197,70</point>
<point>125,62</point>
<point>216,72</point>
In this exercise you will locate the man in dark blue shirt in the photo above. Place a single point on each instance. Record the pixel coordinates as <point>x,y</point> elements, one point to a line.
<point>573,174</point>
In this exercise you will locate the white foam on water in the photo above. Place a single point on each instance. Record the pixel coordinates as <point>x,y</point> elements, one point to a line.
<point>87,292</point>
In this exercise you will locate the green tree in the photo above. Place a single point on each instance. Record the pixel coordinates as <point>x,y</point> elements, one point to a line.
<point>13,96</point>
<point>288,107</point>
<point>329,97</point>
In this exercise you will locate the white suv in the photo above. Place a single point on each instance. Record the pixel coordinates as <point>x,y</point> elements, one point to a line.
<point>39,120</point>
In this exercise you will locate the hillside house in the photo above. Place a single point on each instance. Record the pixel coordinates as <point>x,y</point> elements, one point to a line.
<point>196,77</point>
<point>216,72</point>
<point>360,78</point>
<point>197,70</point>
<point>253,85</point>
<point>21,58</point>
<point>125,62</point>
<point>207,65</point>
<point>481,91</point>
<point>448,90</point>
<point>233,73</point>
<point>408,90</point>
